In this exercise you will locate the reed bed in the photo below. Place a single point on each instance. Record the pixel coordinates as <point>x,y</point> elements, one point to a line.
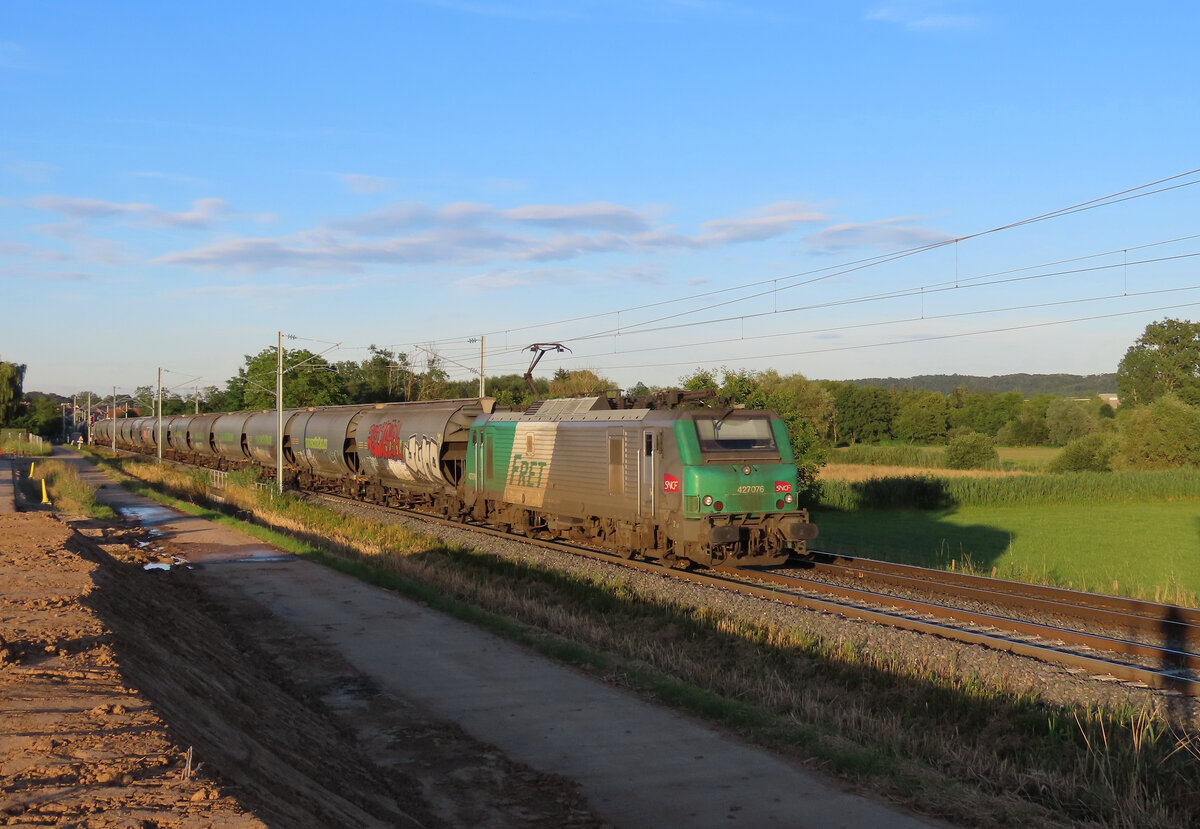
<point>916,489</point>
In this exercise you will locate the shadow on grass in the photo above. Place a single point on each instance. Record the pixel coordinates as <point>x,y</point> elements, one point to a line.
<point>902,519</point>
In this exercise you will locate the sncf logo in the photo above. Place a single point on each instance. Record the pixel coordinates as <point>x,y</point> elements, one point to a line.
<point>783,486</point>
<point>670,483</point>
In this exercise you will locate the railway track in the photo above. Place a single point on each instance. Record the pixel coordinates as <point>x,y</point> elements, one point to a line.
<point>1123,651</point>
<point>1171,664</point>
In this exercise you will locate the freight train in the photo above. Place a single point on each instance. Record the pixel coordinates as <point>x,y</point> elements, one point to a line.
<point>684,485</point>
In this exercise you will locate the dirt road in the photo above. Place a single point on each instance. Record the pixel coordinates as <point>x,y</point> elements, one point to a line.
<point>112,676</point>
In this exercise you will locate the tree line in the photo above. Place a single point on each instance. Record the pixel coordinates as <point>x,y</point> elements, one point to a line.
<point>1157,423</point>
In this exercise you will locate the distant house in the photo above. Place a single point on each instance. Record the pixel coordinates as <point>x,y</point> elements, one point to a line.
<point>1110,399</point>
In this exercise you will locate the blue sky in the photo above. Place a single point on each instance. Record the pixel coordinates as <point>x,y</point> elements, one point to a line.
<point>661,186</point>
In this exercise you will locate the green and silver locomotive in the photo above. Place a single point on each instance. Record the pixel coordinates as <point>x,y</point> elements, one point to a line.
<point>702,485</point>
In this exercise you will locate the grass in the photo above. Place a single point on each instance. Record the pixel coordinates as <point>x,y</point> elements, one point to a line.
<point>1147,550</point>
<point>1027,458</point>
<point>66,491</point>
<point>927,732</point>
<point>1127,533</point>
<point>29,449</point>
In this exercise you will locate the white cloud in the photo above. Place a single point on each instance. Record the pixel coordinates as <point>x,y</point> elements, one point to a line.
<point>898,233</point>
<point>925,15</point>
<point>204,212</point>
<point>357,183</point>
<point>473,233</point>
<point>175,177</point>
<point>768,222</point>
<point>594,215</point>
<point>55,276</point>
<point>555,277</point>
<point>8,249</point>
<point>34,172</point>
<point>504,278</point>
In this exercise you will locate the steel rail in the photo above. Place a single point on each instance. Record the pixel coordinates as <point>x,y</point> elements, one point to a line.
<point>1171,658</point>
<point>1176,625</point>
<point>1121,604</point>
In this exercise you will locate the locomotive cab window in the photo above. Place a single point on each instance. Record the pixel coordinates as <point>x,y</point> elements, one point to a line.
<point>735,434</point>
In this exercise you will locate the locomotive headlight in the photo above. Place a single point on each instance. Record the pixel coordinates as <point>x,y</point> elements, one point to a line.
<point>708,500</point>
<point>788,498</point>
<point>746,470</point>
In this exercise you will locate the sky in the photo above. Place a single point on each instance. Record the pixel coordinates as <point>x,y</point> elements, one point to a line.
<point>836,189</point>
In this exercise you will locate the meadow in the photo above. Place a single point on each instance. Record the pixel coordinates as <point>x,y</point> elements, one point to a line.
<point>1127,533</point>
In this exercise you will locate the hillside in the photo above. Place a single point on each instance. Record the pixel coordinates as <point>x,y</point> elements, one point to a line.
<point>1062,385</point>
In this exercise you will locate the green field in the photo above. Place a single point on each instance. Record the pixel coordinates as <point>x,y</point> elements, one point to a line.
<point>1148,549</point>
<point>1028,458</point>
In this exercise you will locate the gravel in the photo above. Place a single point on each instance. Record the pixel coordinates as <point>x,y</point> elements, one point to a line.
<point>1051,684</point>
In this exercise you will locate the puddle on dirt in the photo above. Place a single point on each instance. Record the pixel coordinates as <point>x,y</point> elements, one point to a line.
<point>176,561</point>
<point>148,516</point>
<point>263,556</point>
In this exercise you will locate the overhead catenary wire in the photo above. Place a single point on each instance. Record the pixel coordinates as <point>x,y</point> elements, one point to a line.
<point>449,348</point>
<point>909,340</point>
<point>892,321</point>
<point>818,274</point>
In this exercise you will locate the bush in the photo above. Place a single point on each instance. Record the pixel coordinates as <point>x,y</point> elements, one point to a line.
<point>1093,453</point>
<point>1067,420</point>
<point>971,451</point>
<point>1162,435</point>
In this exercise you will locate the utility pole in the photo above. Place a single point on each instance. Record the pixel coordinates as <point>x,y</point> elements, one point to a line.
<point>482,356</point>
<point>88,422</point>
<point>197,400</point>
<point>112,415</point>
<point>279,414</point>
<point>482,352</point>
<point>159,441</point>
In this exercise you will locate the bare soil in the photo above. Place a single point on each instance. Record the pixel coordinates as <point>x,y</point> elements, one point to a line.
<point>134,698</point>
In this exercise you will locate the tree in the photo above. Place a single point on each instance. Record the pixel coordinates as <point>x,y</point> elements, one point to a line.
<point>971,450</point>
<point>1029,427</point>
<point>1067,420</point>
<point>579,383</point>
<point>923,417</point>
<point>1093,453</point>
<point>1161,435</point>
<point>1164,360</point>
<point>41,416</point>
<point>984,412</point>
<point>308,380</point>
<point>863,414</point>
<point>699,380</point>
<point>12,378</point>
<point>807,411</point>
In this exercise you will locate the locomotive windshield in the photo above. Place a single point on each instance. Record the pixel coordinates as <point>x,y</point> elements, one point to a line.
<point>735,434</point>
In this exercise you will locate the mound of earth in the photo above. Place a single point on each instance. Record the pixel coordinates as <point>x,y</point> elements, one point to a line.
<point>134,698</point>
